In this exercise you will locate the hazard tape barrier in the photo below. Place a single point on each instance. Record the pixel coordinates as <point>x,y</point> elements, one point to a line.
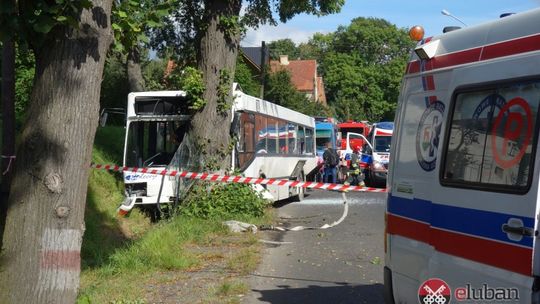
<point>238,179</point>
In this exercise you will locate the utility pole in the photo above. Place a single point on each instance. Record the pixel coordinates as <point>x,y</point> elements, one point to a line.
<point>263,67</point>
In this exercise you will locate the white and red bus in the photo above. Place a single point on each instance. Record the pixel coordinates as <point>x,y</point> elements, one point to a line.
<point>273,142</point>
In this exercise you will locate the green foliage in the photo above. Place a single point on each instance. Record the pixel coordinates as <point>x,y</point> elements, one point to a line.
<point>223,200</point>
<point>189,80</point>
<point>131,19</point>
<point>180,42</point>
<point>35,19</point>
<point>224,102</point>
<point>24,78</point>
<point>246,78</point>
<point>280,90</point>
<point>230,25</point>
<point>362,65</point>
<point>153,74</point>
<point>283,47</point>
<point>114,87</point>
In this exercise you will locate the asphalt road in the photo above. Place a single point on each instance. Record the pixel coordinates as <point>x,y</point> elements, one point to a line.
<point>343,264</point>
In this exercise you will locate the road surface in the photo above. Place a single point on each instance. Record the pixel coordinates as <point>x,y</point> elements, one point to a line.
<point>343,264</point>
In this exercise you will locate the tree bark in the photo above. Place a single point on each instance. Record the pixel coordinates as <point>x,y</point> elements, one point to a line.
<point>217,52</point>
<point>8,126</point>
<point>45,222</point>
<point>134,72</point>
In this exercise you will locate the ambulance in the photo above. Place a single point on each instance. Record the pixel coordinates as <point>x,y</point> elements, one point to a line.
<point>463,185</point>
<point>376,153</point>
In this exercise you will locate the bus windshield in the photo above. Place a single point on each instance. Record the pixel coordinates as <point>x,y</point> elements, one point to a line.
<point>152,143</point>
<point>323,136</point>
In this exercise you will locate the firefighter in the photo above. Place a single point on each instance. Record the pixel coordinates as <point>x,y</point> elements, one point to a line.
<point>355,174</point>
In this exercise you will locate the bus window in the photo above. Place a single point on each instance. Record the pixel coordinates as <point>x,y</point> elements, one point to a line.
<point>271,137</point>
<point>309,141</point>
<point>283,136</point>
<point>261,133</point>
<point>150,143</point>
<point>301,140</point>
<point>293,149</point>
<point>246,142</point>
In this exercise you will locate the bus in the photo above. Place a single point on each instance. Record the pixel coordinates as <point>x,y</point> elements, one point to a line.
<point>326,131</point>
<point>273,142</point>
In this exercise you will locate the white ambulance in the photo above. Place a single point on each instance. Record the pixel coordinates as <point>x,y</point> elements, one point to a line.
<point>462,213</point>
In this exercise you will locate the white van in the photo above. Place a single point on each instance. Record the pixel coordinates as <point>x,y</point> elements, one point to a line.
<point>462,212</point>
<point>376,153</point>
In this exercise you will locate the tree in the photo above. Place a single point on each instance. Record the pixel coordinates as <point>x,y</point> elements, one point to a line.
<point>362,65</point>
<point>281,91</point>
<point>246,78</point>
<point>283,47</point>
<point>131,21</point>
<point>216,27</point>
<point>8,121</point>
<point>45,222</point>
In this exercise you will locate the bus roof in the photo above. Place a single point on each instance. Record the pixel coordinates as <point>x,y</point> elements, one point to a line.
<point>253,104</point>
<point>324,125</point>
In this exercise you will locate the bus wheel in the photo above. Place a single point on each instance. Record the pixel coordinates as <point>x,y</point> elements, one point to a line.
<point>301,190</point>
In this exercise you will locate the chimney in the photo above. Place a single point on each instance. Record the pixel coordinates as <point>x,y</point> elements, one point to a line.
<point>284,59</point>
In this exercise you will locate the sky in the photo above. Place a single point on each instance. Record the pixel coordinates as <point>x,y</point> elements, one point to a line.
<point>402,13</point>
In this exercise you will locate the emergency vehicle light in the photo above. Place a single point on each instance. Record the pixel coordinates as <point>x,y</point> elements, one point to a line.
<point>416,33</point>
<point>428,50</point>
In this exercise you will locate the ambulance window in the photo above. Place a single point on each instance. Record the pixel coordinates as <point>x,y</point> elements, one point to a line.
<point>492,138</point>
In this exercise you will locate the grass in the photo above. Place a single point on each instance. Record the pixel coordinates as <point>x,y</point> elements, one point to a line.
<point>122,258</point>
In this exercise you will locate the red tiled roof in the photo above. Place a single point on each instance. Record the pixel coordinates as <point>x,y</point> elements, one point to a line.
<point>303,72</point>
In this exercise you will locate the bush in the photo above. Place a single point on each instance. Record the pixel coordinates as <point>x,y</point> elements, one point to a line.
<point>222,200</point>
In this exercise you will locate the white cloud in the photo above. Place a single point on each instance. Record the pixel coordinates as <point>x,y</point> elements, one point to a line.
<point>271,33</point>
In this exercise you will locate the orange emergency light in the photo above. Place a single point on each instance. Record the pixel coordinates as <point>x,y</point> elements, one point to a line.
<point>416,33</point>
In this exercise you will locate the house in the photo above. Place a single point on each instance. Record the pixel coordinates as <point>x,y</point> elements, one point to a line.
<point>303,76</point>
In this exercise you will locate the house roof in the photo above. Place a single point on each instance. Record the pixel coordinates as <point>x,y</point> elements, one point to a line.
<point>253,54</point>
<point>303,72</point>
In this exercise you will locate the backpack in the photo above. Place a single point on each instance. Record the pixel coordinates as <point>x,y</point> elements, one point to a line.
<point>331,159</point>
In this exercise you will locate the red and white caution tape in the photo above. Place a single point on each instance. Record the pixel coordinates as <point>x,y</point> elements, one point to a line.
<point>237,179</point>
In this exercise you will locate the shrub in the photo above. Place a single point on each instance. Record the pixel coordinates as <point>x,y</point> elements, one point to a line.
<point>221,200</point>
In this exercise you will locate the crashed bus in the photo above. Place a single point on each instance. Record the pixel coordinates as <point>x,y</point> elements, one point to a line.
<point>273,142</point>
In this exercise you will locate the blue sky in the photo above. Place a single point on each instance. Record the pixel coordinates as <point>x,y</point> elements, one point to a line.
<point>399,12</point>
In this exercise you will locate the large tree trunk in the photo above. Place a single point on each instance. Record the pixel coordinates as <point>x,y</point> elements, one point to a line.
<point>45,223</point>
<point>217,52</point>
<point>134,72</point>
<point>8,126</point>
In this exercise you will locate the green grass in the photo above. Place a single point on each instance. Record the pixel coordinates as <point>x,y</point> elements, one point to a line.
<point>122,256</point>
